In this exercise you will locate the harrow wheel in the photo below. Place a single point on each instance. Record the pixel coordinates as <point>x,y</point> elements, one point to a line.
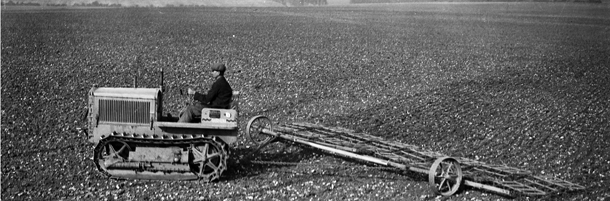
<point>445,176</point>
<point>255,128</point>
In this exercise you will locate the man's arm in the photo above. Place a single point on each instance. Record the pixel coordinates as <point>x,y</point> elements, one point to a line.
<point>212,93</point>
<point>196,95</point>
<point>199,97</point>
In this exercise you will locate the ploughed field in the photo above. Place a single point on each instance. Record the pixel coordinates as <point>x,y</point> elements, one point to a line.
<point>521,84</point>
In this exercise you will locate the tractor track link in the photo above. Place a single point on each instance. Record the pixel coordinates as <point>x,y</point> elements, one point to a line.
<point>206,152</point>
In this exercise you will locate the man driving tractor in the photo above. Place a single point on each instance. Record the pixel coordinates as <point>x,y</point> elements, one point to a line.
<point>219,96</point>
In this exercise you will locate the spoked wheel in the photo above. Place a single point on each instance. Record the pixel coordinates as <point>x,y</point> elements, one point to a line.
<point>111,152</point>
<point>255,128</point>
<point>209,160</point>
<point>445,176</point>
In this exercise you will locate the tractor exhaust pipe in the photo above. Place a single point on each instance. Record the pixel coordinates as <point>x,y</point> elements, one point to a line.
<point>162,86</point>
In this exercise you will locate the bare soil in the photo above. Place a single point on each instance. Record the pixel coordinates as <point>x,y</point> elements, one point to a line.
<point>522,84</point>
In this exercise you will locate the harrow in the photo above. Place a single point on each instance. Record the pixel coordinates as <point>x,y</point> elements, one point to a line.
<point>446,174</point>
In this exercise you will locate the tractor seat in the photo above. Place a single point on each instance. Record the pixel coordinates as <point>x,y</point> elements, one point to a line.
<point>234,105</point>
<point>234,101</point>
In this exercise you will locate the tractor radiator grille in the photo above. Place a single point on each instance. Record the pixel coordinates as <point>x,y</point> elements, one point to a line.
<point>124,111</point>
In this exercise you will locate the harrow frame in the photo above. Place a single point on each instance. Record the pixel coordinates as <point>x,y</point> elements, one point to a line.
<point>446,174</point>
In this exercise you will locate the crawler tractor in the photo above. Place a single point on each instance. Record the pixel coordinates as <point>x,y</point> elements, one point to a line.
<point>134,140</point>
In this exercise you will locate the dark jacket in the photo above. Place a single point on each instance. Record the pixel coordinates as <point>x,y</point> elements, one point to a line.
<point>219,96</point>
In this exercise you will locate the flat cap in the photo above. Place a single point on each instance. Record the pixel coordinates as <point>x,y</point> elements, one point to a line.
<point>220,67</point>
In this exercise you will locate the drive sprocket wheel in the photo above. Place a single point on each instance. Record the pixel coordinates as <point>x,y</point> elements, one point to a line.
<point>209,160</point>
<point>109,152</point>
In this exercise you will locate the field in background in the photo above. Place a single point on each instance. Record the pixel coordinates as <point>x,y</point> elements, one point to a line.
<point>522,84</point>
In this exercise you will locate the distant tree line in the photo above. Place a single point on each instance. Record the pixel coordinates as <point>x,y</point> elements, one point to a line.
<point>302,2</point>
<point>405,1</point>
<point>92,4</point>
<point>11,3</point>
<point>98,4</point>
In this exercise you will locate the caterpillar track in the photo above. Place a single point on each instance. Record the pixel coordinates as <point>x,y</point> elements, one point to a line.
<point>168,158</point>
